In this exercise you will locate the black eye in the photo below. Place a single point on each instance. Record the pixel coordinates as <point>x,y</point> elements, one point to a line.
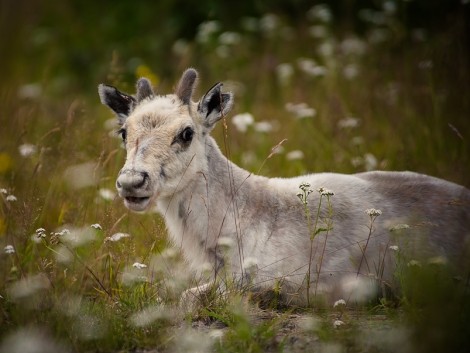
<point>123,134</point>
<point>187,135</point>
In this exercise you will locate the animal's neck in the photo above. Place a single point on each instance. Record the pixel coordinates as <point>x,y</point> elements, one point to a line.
<point>204,210</point>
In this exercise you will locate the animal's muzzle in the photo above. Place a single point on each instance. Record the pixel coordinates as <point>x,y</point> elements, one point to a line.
<point>132,183</point>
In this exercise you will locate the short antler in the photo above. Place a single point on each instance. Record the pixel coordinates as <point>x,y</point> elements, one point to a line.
<point>185,87</point>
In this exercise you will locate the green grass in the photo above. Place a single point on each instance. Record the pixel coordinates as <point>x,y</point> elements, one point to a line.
<point>411,99</point>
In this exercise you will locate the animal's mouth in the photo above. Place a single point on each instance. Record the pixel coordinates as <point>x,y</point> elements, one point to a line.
<point>136,203</point>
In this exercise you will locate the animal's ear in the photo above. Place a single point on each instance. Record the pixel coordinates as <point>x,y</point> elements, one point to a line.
<point>144,89</point>
<point>215,105</point>
<point>120,103</point>
<point>185,88</point>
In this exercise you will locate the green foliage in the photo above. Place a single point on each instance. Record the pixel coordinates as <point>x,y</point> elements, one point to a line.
<point>332,89</point>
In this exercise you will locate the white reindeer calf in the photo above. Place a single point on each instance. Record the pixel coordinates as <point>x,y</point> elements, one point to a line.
<point>278,237</point>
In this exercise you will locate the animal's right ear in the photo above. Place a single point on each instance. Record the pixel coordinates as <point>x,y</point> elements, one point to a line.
<point>120,103</point>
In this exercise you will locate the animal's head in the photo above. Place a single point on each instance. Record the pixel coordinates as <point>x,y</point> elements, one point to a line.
<point>164,136</point>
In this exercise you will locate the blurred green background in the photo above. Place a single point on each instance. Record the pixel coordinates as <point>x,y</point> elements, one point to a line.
<point>348,86</point>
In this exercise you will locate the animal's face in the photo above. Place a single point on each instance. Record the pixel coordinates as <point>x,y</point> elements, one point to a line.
<point>164,138</point>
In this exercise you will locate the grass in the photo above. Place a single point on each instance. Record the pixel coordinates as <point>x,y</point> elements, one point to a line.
<point>394,104</point>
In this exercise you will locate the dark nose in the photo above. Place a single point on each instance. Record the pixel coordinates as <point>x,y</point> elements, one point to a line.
<point>132,180</point>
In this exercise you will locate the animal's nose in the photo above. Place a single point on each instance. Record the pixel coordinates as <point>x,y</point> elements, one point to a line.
<point>132,180</point>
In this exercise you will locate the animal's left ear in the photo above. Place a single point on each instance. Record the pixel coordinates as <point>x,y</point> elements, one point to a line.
<point>215,105</point>
<point>120,103</point>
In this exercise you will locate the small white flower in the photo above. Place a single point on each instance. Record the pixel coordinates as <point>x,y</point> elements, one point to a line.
<point>263,126</point>
<point>250,263</point>
<point>350,71</point>
<point>339,302</point>
<point>226,242</point>
<point>373,212</point>
<point>3,191</point>
<point>399,227</point>
<point>300,110</point>
<point>348,123</point>
<point>229,38</point>
<point>325,192</point>
<point>393,247</point>
<point>337,323</point>
<point>414,263</point>
<point>11,198</point>
<point>9,249</point>
<point>216,334</point>
<point>284,73</point>
<point>242,121</point>
<point>27,149</point>
<point>96,226</point>
<point>107,194</point>
<point>295,155</point>
<point>117,236</point>
<point>370,161</point>
<point>139,265</point>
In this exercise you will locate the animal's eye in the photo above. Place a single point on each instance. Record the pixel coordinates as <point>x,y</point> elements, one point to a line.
<point>187,135</point>
<point>123,134</point>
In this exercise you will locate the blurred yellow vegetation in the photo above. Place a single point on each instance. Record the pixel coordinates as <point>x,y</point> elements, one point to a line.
<point>145,71</point>
<point>3,227</point>
<point>5,162</point>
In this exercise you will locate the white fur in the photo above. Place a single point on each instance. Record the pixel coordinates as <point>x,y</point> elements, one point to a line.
<point>203,198</point>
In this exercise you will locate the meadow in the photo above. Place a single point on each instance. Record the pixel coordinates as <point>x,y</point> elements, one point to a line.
<point>80,273</point>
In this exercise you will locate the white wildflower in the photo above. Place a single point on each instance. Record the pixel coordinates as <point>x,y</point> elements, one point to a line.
<point>294,155</point>
<point>357,140</point>
<point>373,212</point>
<point>226,242</point>
<point>3,191</point>
<point>325,192</point>
<point>393,247</point>
<point>27,149</point>
<point>353,46</point>
<point>284,73</point>
<point>309,323</point>
<point>399,227</point>
<point>206,30</point>
<point>81,175</point>
<point>11,198</point>
<point>413,263</point>
<point>337,323</point>
<point>229,38</point>
<point>370,161</point>
<point>348,123</point>
<point>30,91</point>
<point>9,249</point>
<point>242,121</point>
<point>320,12</point>
<point>311,68</point>
<point>250,263</point>
<point>339,302</point>
<point>263,126</point>
<point>216,334</point>
<point>117,236</point>
<point>300,110</point>
<point>139,265</point>
<point>96,226</point>
<point>269,23</point>
<point>107,194</point>
<point>350,71</point>
<point>318,31</point>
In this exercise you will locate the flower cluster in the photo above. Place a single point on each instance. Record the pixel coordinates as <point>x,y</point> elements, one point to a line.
<point>325,192</point>
<point>373,212</point>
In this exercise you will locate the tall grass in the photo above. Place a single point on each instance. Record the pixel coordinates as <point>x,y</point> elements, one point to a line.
<point>388,97</point>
